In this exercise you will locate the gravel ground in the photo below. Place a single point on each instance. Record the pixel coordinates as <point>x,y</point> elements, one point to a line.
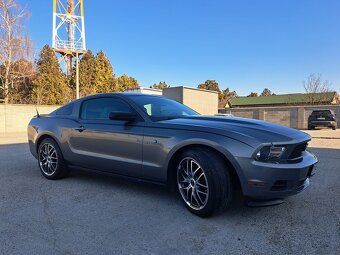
<point>91,214</point>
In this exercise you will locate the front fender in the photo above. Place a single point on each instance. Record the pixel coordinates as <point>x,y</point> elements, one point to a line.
<point>229,148</point>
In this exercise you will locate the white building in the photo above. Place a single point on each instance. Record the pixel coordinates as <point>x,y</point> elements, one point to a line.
<point>148,91</point>
<point>202,101</point>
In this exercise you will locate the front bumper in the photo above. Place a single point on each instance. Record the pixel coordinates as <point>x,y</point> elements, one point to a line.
<point>272,181</point>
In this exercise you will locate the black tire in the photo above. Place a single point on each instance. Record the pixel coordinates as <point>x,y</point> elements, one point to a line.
<point>54,167</point>
<point>310,127</point>
<point>334,127</point>
<point>219,188</point>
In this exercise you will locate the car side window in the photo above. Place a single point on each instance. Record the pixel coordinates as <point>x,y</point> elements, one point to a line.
<point>100,108</point>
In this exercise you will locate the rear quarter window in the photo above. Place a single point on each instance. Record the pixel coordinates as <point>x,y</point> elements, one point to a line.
<point>65,110</point>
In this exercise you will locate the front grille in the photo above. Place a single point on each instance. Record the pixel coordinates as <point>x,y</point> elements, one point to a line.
<point>297,151</point>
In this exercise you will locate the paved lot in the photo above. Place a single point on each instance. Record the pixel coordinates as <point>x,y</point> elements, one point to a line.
<point>324,133</point>
<point>88,214</point>
<point>325,138</point>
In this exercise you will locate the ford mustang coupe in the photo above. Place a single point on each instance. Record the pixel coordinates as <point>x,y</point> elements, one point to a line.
<point>155,139</point>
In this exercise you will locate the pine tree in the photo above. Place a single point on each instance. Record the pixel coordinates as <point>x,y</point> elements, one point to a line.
<point>266,92</point>
<point>160,85</point>
<point>51,85</point>
<point>253,94</point>
<point>227,94</point>
<point>87,74</point>
<point>104,77</point>
<point>125,82</point>
<point>210,85</point>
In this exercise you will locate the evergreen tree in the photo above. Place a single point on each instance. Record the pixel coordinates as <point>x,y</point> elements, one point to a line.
<point>253,94</point>
<point>227,94</point>
<point>51,85</point>
<point>104,77</point>
<point>160,85</point>
<point>125,82</point>
<point>87,74</point>
<point>210,85</point>
<point>266,92</point>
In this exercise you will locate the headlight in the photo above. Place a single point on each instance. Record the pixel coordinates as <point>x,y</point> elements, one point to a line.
<point>270,153</point>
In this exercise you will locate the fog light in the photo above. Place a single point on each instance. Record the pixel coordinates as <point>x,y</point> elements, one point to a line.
<point>256,183</point>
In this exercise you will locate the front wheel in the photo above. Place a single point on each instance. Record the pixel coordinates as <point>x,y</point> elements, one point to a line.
<point>203,182</point>
<point>51,161</point>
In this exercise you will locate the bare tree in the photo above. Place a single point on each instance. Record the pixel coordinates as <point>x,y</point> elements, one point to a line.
<point>316,88</point>
<point>14,45</point>
<point>22,73</point>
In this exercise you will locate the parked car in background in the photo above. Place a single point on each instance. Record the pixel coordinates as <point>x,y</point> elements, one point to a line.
<point>322,118</point>
<point>155,139</point>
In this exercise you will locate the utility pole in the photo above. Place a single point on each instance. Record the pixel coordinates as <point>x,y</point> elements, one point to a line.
<point>68,36</point>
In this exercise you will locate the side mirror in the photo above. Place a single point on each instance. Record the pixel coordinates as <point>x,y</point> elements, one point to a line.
<point>124,116</point>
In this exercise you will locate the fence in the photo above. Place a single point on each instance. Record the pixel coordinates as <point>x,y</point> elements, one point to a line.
<point>15,118</point>
<point>290,116</point>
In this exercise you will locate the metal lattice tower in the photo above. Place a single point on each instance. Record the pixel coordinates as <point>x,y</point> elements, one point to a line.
<point>68,36</point>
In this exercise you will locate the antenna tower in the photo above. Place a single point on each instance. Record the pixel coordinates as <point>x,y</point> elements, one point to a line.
<point>68,36</point>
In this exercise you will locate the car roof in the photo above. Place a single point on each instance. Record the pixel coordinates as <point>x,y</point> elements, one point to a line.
<point>321,110</point>
<point>317,110</point>
<point>119,94</point>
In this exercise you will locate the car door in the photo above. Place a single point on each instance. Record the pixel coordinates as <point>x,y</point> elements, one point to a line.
<point>107,145</point>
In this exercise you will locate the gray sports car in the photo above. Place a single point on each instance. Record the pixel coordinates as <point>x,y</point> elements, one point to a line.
<point>155,139</point>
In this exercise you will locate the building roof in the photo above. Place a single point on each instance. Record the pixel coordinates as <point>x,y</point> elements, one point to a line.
<point>187,87</point>
<point>143,88</point>
<point>285,99</point>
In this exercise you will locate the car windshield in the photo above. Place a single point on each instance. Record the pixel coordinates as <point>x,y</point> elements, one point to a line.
<point>161,108</point>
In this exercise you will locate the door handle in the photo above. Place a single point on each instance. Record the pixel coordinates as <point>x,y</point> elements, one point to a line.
<point>80,129</point>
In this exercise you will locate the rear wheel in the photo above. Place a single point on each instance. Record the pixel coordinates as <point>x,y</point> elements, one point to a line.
<point>203,182</point>
<point>51,161</point>
<point>334,127</point>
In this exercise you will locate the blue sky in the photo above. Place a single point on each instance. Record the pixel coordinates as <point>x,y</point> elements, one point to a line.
<point>245,45</point>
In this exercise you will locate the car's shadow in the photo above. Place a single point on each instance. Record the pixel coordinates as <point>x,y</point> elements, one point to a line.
<point>160,193</point>
<point>149,190</point>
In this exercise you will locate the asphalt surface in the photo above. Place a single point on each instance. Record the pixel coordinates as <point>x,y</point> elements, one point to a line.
<point>91,214</point>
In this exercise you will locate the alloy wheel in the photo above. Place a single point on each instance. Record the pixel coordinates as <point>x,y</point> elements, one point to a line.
<point>192,183</point>
<point>48,159</point>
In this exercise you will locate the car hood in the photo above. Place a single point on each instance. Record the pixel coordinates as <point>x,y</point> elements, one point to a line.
<point>249,131</point>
